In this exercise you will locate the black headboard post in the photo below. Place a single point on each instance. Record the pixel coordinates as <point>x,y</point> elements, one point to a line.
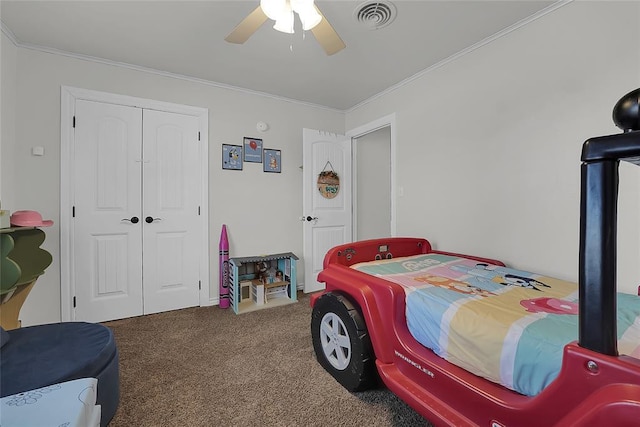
<point>598,225</point>
<point>598,243</point>
<point>597,274</point>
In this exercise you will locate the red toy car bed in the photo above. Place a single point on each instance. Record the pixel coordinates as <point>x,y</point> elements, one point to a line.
<point>397,310</point>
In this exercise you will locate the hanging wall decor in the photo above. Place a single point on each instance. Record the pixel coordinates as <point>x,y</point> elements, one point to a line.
<point>252,150</point>
<point>272,160</point>
<point>328,182</point>
<point>232,157</point>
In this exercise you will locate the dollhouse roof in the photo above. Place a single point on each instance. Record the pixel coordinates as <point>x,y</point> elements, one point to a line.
<point>245,260</point>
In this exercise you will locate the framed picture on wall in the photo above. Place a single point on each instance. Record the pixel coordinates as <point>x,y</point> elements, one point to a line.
<point>272,161</point>
<point>252,150</point>
<point>232,157</point>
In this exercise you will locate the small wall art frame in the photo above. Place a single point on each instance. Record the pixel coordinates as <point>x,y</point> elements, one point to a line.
<point>252,150</point>
<point>232,157</point>
<point>272,160</point>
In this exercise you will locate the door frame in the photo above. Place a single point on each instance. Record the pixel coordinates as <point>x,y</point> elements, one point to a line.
<point>68,97</point>
<point>360,131</point>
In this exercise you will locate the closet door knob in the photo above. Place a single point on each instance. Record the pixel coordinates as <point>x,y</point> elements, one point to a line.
<point>149,219</point>
<point>133,220</point>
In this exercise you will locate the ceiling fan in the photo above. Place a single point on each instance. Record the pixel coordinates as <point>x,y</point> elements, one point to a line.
<point>282,12</point>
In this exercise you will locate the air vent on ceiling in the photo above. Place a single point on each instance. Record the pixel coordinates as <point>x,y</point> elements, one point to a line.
<point>375,14</point>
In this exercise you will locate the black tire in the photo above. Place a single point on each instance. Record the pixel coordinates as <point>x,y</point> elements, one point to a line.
<point>345,352</point>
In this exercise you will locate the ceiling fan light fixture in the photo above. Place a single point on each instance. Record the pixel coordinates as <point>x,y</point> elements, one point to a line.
<point>284,23</point>
<point>274,9</point>
<point>309,18</point>
<point>307,12</point>
<point>300,5</point>
<point>281,11</point>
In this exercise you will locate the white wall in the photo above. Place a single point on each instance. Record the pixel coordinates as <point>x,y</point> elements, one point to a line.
<point>260,209</point>
<point>8,63</point>
<point>488,145</point>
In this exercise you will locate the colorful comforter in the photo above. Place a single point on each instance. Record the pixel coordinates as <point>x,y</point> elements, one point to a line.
<point>506,325</point>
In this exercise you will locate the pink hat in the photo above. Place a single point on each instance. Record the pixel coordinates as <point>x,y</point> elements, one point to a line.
<point>29,219</point>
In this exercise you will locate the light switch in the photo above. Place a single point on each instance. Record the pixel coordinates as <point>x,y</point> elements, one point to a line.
<point>37,151</point>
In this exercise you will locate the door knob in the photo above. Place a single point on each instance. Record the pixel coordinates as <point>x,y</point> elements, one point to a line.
<point>310,218</point>
<point>133,220</point>
<point>149,219</point>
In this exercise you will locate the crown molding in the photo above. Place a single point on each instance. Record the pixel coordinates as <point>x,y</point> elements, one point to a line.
<point>463,52</point>
<point>154,71</point>
<point>7,32</point>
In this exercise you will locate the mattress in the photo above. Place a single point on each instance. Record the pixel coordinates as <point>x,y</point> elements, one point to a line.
<point>508,326</point>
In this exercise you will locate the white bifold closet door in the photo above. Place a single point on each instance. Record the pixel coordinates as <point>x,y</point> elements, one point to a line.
<point>136,205</point>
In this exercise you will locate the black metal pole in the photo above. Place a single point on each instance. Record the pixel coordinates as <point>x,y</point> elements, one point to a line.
<point>597,262</point>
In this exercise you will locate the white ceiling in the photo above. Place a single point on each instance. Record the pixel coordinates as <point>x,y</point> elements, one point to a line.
<point>187,38</point>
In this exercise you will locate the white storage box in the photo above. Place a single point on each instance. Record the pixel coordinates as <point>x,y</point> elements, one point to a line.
<point>69,404</point>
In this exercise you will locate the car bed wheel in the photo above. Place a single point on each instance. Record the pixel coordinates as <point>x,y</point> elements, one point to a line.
<point>341,342</point>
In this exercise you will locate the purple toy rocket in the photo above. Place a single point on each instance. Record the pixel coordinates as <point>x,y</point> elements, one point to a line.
<point>224,268</point>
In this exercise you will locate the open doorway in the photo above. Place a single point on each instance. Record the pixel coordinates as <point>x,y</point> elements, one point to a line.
<point>374,195</point>
<point>372,189</point>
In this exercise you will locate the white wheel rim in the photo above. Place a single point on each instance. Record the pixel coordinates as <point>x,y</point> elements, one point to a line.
<point>336,344</point>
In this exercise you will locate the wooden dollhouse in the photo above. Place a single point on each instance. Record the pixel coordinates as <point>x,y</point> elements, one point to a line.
<point>262,281</point>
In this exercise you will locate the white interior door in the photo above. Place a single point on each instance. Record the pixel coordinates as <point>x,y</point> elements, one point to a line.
<point>328,214</point>
<point>171,189</point>
<point>107,243</point>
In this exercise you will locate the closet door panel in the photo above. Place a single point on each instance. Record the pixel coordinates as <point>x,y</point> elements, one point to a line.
<point>107,246</point>
<point>171,194</point>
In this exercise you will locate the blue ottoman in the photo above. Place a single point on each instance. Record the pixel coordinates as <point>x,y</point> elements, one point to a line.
<point>39,356</point>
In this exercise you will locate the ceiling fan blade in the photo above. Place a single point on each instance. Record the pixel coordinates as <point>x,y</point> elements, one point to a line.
<point>327,36</point>
<point>247,27</point>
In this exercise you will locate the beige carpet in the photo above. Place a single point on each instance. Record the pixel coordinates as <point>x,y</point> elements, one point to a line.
<point>211,367</point>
